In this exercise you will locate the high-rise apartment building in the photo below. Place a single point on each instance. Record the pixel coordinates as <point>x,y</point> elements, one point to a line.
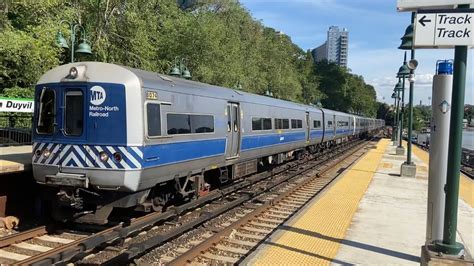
<point>335,48</point>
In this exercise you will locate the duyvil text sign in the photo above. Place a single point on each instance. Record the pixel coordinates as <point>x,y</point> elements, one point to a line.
<point>413,5</point>
<point>444,28</point>
<point>16,105</point>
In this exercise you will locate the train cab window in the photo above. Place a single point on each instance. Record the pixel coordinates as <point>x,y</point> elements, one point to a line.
<point>74,113</point>
<point>282,123</point>
<point>259,123</point>
<point>316,124</point>
<point>189,124</point>
<point>47,112</point>
<point>153,119</point>
<point>296,123</point>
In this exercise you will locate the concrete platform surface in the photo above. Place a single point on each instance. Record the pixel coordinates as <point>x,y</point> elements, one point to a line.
<point>388,225</point>
<point>15,159</point>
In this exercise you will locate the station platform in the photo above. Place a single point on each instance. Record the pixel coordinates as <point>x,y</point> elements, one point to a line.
<point>370,215</point>
<point>15,159</point>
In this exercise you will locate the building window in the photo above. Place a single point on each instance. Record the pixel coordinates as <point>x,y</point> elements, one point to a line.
<point>189,124</point>
<point>153,119</point>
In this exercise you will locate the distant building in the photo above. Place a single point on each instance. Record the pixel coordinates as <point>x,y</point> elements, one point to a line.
<point>335,48</point>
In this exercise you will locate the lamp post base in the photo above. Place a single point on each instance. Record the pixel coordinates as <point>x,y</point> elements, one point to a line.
<point>408,170</point>
<point>400,151</point>
<point>430,255</point>
<point>456,249</point>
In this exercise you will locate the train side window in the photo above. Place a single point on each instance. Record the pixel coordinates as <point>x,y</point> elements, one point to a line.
<point>46,112</point>
<point>282,123</point>
<point>330,123</point>
<point>316,124</point>
<point>179,124</point>
<point>74,113</point>
<point>153,119</point>
<point>267,123</point>
<point>296,123</point>
<point>259,123</point>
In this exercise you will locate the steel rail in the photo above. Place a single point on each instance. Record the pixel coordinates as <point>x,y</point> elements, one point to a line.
<point>22,236</point>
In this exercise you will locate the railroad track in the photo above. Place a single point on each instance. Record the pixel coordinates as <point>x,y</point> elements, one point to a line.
<point>25,245</point>
<point>233,236</point>
<point>124,242</point>
<point>193,228</point>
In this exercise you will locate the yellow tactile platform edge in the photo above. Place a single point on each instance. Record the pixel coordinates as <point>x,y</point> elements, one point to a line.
<point>466,187</point>
<point>314,238</point>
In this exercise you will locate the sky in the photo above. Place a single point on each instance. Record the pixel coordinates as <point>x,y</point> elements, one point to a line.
<point>375,28</point>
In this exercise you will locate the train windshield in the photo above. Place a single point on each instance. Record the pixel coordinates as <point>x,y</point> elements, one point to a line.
<point>47,113</point>
<point>74,116</point>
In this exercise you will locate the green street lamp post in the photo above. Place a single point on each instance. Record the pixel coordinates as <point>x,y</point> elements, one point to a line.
<point>82,48</point>
<point>408,168</point>
<point>449,245</point>
<point>180,69</point>
<point>398,88</point>
<point>394,97</point>
<point>402,74</point>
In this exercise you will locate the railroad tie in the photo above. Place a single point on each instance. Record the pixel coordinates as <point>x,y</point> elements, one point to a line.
<point>211,256</point>
<point>13,256</point>
<point>231,249</point>
<point>33,247</point>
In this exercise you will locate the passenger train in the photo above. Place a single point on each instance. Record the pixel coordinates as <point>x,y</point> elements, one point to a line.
<point>108,136</point>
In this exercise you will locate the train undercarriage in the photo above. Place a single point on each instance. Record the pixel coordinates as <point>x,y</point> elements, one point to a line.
<point>94,207</point>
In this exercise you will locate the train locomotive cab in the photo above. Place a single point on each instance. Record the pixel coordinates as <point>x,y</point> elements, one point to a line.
<point>80,140</point>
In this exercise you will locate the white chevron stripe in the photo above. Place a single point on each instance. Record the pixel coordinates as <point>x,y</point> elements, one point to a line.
<point>62,154</point>
<point>130,157</point>
<point>122,162</point>
<point>72,156</point>
<point>81,153</point>
<point>53,154</point>
<point>138,152</point>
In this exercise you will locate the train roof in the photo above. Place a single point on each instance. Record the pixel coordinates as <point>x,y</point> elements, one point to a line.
<point>112,73</point>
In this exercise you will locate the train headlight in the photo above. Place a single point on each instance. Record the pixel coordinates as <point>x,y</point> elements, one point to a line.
<point>46,153</point>
<point>73,73</point>
<point>38,153</point>
<point>117,157</point>
<point>103,156</point>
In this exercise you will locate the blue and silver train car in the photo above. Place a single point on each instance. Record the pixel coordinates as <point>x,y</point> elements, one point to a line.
<point>109,136</point>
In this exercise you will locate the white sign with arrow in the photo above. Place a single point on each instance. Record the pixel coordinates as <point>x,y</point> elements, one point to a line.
<point>444,29</point>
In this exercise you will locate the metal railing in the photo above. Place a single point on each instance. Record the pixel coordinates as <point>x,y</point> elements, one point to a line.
<point>15,129</point>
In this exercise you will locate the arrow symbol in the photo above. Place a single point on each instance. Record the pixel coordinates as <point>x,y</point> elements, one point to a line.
<point>423,20</point>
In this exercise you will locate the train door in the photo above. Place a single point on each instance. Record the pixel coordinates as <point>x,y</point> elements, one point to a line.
<point>308,127</point>
<point>71,122</point>
<point>233,130</point>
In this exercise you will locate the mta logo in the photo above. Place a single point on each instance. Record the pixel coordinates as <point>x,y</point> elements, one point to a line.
<point>98,95</point>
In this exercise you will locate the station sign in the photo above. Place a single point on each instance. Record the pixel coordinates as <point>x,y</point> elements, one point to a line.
<point>16,105</point>
<point>413,5</point>
<point>444,28</point>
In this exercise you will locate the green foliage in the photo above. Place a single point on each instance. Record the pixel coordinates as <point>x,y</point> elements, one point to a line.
<point>219,39</point>
<point>344,91</point>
